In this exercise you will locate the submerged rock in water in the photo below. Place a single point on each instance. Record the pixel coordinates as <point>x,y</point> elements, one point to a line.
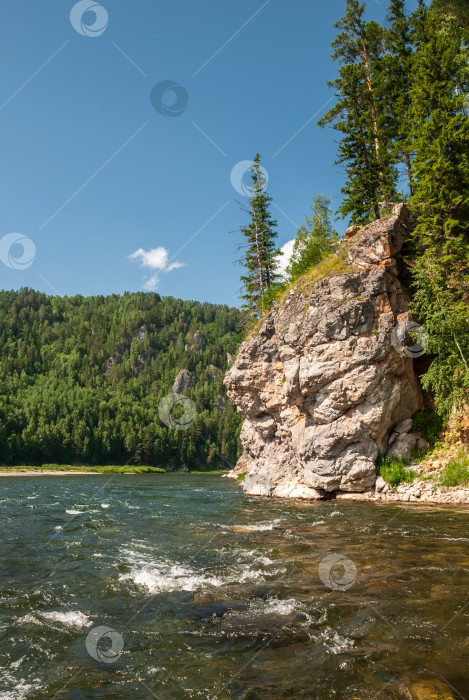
<point>430,689</point>
<point>324,383</point>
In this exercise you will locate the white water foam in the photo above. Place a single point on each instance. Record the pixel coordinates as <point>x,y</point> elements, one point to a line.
<point>334,642</point>
<point>258,527</point>
<point>22,687</point>
<point>274,606</point>
<point>259,558</point>
<point>16,664</point>
<point>71,618</point>
<point>163,576</point>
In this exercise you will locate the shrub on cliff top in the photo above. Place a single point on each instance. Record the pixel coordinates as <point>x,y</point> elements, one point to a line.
<point>316,239</point>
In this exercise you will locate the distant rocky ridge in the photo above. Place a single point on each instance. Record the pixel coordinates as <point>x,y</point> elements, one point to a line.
<point>323,385</point>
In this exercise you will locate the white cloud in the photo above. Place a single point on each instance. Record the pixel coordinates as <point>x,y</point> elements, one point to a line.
<point>174,266</point>
<point>151,284</point>
<point>154,259</point>
<point>283,260</point>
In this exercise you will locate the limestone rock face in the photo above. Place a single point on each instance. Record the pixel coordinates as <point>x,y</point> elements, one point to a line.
<point>321,385</point>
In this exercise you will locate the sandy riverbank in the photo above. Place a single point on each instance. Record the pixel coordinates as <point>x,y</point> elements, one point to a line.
<point>45,472</point>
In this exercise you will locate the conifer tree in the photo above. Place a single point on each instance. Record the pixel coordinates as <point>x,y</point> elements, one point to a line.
<point>315,239</point>
<point>260,258</point>
<point>363,148</point>
<point>459,9</point>
<point>440,138</point>
<point>395,84</point>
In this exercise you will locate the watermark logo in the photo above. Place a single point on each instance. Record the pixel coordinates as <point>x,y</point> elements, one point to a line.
<point>177,411</point>
<point>241,178</point>
<point>103,652</point>
<point>337,572</point>
<point>169,98</point>
<point>89,18</point>
<point>410,339</point>
<point>11,257</point>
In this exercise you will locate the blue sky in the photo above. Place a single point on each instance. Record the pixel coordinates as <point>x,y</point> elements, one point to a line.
<point>92,173</point>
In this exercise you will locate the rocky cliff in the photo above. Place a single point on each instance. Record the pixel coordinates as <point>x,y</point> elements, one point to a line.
<point>325,384</point>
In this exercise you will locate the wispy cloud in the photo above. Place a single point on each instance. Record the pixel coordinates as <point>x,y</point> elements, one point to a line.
<point>154,259</point>
<point>174,266</point>
<point>151,284</point>
<point>283,260</point>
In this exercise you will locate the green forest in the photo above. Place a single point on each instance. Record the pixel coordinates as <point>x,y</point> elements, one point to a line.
<point>81,380</point>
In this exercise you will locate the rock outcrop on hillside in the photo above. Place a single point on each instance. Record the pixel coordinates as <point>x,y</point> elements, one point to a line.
<point>198,341</point>
<point>183,381</point>
<point>118,356</point>
<point>324,385</point>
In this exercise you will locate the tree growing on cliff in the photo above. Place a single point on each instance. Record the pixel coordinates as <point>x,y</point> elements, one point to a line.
<point>315,240</point>
<point>440,138</point>
<point>364,149</point>
<point>395,84</point>
<point>260,251</point>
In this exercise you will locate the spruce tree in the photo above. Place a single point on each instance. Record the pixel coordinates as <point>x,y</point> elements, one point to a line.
<point>315,240</point>
<point>395,84</point>
<point>459,9</point>
<point>260,258</point>
<point>440,138</point>
<point>363,149</point>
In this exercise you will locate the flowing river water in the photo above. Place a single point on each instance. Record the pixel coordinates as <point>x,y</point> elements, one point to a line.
<point>180,586</point>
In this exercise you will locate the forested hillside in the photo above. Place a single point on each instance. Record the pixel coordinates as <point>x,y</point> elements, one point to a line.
<point>81,379</point>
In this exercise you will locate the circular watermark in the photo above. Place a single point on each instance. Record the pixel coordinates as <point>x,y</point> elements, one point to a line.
<point>104,653</point>
<point>13,259</point>
<point>403,342</point>
<point>177,411</point>
<point>241,178</point>
<point>169,98</point>
<point>337,572</point>
<point>89,18</point>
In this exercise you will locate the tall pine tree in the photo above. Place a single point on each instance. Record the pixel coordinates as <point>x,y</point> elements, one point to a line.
<point>260,257</point>
<point>396,83</point>
<point>363,149</point>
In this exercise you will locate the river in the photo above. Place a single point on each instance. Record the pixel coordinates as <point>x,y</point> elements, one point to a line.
<point>180,586</point>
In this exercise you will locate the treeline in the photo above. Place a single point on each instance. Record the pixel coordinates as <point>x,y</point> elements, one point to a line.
<point>81,379</point>
<point>402,115</point>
